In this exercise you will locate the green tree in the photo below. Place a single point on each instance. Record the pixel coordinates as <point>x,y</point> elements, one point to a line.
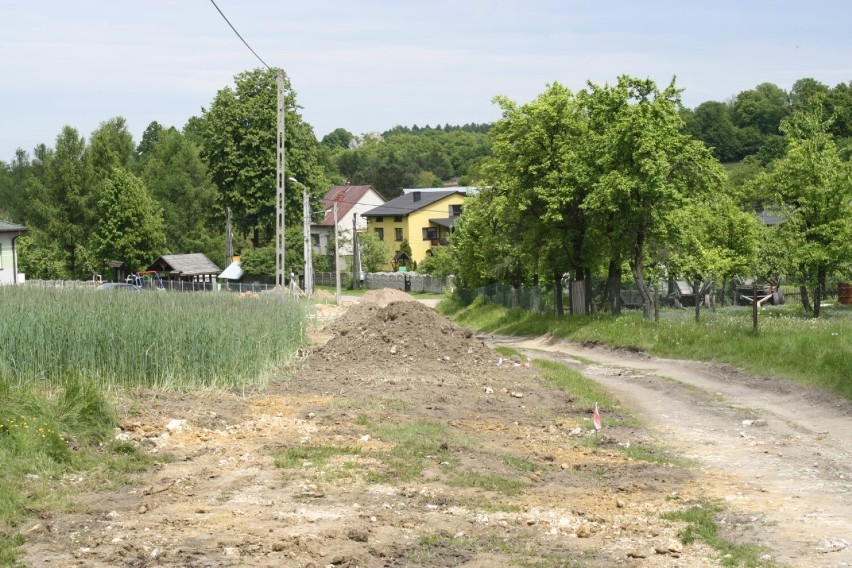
<point>646,167</point>
<point>763,107</point>
<point>814,187</point>
<point>110,146</point>
<point>178,179</point>
<point>440,263</point>
<point>129,226</point>
<point>239,147</point>
<point>375,254</point>
<point>339,138</point>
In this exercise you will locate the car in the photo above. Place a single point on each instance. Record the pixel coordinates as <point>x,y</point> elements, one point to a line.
<point>119,287</point>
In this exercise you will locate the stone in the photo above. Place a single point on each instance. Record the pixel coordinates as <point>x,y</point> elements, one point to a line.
<point>637,554</point>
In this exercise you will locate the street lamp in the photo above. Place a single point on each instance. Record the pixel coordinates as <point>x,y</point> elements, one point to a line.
<point>308,249</point>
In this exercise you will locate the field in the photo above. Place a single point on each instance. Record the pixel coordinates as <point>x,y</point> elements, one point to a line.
<point>382,436</point>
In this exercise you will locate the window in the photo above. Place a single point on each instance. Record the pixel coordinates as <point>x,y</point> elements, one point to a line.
<point>315,239</point>
<point>430,233</point>
<point>380,233</point>
<point>398,233</point>
<point>379,219</point>
<point>455,210</point>
<point>397,219</point>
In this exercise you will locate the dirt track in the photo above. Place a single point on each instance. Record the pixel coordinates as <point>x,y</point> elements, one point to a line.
<point>786,450</point>
<point>220,499</point>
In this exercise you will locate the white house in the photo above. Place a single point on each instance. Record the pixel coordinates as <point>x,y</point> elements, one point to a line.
<point>9,233</point>
<point>352,200</point>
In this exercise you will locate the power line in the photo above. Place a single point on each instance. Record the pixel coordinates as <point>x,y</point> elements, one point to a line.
<point>238,34</point>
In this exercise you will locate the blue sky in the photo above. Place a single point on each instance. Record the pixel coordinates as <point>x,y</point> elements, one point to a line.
<point>367,65</point>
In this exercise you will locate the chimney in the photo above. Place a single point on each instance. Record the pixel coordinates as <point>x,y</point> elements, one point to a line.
<point>415,196</point>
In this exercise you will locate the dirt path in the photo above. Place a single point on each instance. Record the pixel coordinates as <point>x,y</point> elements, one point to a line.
<point>785,450</point>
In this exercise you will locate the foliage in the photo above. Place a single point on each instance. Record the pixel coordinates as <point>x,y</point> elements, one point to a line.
<point>440,263</point>
<point>261,261</point>
<point>813,188</point>
<point>375,254</point>
<point>130,226</point>
<point>239,147</point>
<point>178,180</point>
<point>162,339</point>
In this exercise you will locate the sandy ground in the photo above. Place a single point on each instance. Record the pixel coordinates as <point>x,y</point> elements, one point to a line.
<point>778,456</point>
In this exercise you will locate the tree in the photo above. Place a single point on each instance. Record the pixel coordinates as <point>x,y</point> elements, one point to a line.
<point>762,107</point>
<point>339,138</point>
<point>440,263</point>
<point>814,189</point>
<point>375,254</point>
<point>129,226</point>
<point>239,148</point>
<point>110,146</point>
<point>711,123</point>
<point>178,179</point>
<point>646,167</point>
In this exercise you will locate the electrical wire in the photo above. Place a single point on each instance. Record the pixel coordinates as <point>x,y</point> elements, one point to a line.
<point>238,34</point>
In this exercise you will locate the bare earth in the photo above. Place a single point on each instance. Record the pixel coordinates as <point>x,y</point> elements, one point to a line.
<point>778,455</point>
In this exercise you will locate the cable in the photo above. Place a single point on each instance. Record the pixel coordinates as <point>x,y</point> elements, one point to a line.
<point>238,35</point>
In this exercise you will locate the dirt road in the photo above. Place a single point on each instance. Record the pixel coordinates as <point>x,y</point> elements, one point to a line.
<point>785,450</point>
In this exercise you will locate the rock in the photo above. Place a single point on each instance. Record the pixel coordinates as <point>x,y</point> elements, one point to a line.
<point>231,552</point>
<point>827,545</point>
<point>279,547</point>
<point>637,554</point>
<point>620,503</point>
<point>393,350</point>
<point>357,535</point>
<point>489,390</point>
<point>176,426</point>
<point>516,394</point>
<point>583,531</point>
<point>143,509</point>
<point>675,546</point>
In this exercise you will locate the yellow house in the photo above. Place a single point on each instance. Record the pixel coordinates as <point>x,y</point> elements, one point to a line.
<point>423,218</point>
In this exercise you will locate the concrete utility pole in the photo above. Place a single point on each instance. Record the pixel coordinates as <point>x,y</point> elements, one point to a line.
<point>356,261</point>
<point>309,265</point>
<point>279,183</point>
<point>229,237</point>
<point>336,258</point>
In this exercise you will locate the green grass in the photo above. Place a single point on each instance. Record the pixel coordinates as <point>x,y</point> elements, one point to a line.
<point>585,392</point>
<point>46,436</point>
<point>486,482</point>
<point>165,339</point>
<point>316,455</point>
<point>788,344</point>
<point>701,525</point>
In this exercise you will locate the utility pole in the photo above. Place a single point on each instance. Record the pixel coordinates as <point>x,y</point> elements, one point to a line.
<point>309,267</point>
<point>229,237</point>
<point>336,258</point>
<point>279,182</point>
<point>356,260</point>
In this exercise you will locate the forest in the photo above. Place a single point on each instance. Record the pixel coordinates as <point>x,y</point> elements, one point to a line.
<point>614,178</point>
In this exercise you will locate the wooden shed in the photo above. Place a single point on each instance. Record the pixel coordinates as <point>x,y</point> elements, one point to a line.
<point>192,271</point>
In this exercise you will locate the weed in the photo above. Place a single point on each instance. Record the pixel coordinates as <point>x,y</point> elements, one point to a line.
<point>701,525</point>
<point>487,482</point>
<point>316,455</point>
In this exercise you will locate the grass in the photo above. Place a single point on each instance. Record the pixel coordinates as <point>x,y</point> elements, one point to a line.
<point>585,392</point>
<point>47,436</point>
<point>167,340</point>
<point>701,525</point>
<point>318,456</point>
<point>788,344</point>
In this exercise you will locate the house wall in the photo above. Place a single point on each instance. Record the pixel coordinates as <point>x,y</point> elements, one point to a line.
<point>412,227</point>
<point>7,268</point>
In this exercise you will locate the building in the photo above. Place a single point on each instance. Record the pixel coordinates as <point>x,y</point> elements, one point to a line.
<point>422,218</point>
<point>9,233</point>
<point>192,271</point>
<point>352,202</point>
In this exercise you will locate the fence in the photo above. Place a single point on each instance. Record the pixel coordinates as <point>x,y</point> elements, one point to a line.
<point>397,280</point>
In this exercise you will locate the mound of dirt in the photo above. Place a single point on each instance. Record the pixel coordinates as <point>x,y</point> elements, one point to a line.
<point>384,296</point>
<point>401,334</point>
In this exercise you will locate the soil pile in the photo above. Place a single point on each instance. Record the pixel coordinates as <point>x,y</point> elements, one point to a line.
<point>384,296</point>
<point>401,334</point>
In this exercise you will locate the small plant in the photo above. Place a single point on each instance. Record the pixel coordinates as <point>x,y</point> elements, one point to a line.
<point>316,455</point>
<point>701,525</point>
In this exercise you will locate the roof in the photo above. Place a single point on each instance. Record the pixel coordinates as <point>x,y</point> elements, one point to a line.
<point>405,204</point>
<point>770,218</point>
<point>347,196</point>
<point>9,227</point>
<point>447,222</point>
<point>233,272</point>
<point>193,264</point>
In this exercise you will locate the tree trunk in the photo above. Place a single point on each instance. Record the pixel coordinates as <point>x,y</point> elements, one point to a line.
<point>696,290</point>
<point>557,294</point>
<point>590,304</point>
<point>536,295</point>
<point>819,290</point>
<point>636,268</point>
<point>806,304</point>
<point>614,286</point>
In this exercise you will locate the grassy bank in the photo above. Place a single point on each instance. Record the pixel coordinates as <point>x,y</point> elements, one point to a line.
<point>788,345</point>
<point>144,339</point>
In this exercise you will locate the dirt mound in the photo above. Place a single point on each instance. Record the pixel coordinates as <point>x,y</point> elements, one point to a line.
<point>401,334</point>
<point>385,296</point>
<point>322,295</point>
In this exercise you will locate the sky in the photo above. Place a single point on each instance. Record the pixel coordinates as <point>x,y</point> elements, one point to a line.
<point>368,65</point>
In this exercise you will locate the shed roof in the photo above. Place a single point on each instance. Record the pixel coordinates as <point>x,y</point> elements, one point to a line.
<point>193,264</point>
<point>9,227</point>
<point>233,272</point>
<point>409,203</point>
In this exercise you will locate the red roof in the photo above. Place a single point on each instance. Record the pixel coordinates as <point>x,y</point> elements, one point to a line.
<point>346,196</point>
